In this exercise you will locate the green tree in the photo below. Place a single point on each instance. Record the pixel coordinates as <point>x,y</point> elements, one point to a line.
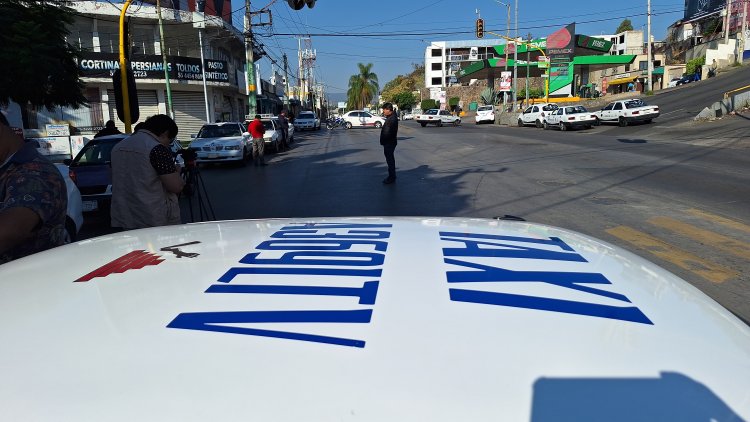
<point>362,87</point>
<point>39,66</point>
<point>428,104</point>
<point>404,100</point>
<point>404,83</point>
<point>625,25</point>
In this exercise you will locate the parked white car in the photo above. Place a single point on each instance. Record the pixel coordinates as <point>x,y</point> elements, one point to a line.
<point>570,117</point>
<point>673,82</point>
<point>438,118</point>
<point>74,215</point>
<point>222,142</point>
<point>407,116</point>
<point>307,120</point>
<point>627,111</point>
<point>535,114</point>
<point>361,118</point>
<point>485,113</point>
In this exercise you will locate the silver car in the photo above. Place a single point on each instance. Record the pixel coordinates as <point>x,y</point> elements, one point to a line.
<point>222,142</point>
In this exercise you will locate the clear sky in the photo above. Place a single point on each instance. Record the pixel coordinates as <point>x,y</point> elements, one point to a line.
<point>394,34</point>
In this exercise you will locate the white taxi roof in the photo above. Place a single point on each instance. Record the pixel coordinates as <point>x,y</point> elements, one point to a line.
<point>367,319</point>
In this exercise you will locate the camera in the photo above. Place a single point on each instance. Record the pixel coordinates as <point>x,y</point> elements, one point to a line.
<point>189,156</point>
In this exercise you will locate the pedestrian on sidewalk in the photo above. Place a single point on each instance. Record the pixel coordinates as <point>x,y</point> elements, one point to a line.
<point>257,131</point>
<point>388,139</point>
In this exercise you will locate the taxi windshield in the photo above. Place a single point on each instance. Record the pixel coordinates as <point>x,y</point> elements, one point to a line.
<point>216,131</point>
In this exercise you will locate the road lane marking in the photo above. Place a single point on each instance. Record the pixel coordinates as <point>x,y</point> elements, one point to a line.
<point>683,259</point>
<point>732,224</point>
<point>718,241</point>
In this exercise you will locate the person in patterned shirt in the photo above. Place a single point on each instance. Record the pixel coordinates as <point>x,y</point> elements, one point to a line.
<point>33,198</point>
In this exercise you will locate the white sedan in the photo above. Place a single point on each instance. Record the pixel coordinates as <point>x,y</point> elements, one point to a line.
<point>368,319</point>
<point>361,118</point>
<point>570,117</point>
<point>438,118</point>
<point>222,142</point>
<point>485,113</point>
<point>535,114</point>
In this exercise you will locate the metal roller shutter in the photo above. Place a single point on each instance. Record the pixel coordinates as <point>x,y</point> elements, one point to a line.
<point>148,105</point>
<point>189,113</point>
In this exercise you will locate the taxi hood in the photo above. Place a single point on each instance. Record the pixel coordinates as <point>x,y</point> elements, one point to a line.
<point>367,319</point>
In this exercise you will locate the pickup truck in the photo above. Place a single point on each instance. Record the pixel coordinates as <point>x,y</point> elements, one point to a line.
<point>307,120</point>
<point>626,111</point>
<point>438,118</point>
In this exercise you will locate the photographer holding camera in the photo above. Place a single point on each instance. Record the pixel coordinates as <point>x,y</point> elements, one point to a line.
<point>145,178</point>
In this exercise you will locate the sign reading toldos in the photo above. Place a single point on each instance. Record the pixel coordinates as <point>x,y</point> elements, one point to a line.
<point>101,65</point>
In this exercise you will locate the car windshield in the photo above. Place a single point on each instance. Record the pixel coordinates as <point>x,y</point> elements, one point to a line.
<point>431,112</point>
<point>267,125</point>
<point>574,110</point>
<point>306,116</point>
<point>550,107</point>
<point>95,153</point>
<point>216,131</point>
<point>484,108</point>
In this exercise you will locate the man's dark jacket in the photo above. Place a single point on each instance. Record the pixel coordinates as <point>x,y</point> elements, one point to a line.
<point>389,131</point>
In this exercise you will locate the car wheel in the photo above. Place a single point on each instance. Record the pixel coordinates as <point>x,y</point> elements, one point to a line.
<point>378,124</point>
<point>597,122</point>
<point>622,122</point>
<point>588,126</point>
<point>348,125</point>
<point>520,123</point>
<point>440,123</point>
<point>647,121</point>
<point>562,127</point>
<point>457,122</point>
<point>423,124</point>
<point>70,231</point>
<point>539,123</point>
<point>545,125</point>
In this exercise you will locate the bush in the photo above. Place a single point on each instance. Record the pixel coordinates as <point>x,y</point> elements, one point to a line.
<point>428,104</point>
<point>692,65</point>
<point>453,101</point>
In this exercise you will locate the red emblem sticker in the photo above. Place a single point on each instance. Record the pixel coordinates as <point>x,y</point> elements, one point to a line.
<point>133,261</point>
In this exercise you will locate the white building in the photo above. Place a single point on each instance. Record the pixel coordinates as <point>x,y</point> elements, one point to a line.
<point>96,32</point>
<point>442,59</point>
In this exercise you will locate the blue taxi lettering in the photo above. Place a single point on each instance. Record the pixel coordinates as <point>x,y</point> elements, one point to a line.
<point>475,272</point>
<point>313,250</point>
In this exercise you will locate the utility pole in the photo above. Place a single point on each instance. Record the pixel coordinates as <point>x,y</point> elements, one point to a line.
<point>252,101</point>
<point>528,58</point>
<point>744,31</point>
<point>203,72</point>
<point>726,21</point>
<point>515,63</point>
<point>650,66</point>
<point>170,109</point>
<point>507,33</point>
<point>286,81</point>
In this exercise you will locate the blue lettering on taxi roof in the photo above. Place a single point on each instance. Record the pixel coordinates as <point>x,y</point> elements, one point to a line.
<point>326,245</point>
<point>469,245</point>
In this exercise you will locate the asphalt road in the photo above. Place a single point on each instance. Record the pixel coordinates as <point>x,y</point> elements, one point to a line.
<point>678,196</point>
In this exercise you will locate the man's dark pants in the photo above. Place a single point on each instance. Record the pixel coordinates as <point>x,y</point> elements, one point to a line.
<point>390,160</point>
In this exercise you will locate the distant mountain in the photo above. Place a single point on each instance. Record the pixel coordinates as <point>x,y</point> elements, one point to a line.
<point>335,97</point>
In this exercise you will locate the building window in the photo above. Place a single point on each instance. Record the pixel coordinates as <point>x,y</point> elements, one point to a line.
<point>643,65</point>
<point>437,81</point>
<point>657,63</point>
<point>437,66</point>
<point>622,39</point>
<point>627,68</point>
<point>436,52</point>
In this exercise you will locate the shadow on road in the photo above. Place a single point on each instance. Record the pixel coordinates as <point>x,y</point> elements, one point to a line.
<point>633,141</point>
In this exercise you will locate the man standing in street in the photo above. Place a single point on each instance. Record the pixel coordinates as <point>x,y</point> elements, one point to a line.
<point>145,178</point>
<point>33,198</point>
<point>257,131</point>
<point>284,123</point>
<point>109,129</point>
<point>388,135</point>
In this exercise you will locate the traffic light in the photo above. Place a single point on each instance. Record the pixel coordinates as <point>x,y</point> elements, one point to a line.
<point>299,4</point>
<point>132,95</point>
<point>480,28</point>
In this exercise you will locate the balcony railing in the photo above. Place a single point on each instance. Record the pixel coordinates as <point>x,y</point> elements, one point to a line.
<point>469,57</point>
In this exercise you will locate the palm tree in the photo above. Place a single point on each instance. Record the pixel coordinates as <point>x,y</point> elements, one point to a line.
<point>362,87</point>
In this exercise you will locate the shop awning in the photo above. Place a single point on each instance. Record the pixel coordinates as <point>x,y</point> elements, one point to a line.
<point>620,81</point>
<point>658,71</point>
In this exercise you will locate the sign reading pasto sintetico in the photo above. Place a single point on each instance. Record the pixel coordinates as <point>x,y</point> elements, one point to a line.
<point>102,65</point>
